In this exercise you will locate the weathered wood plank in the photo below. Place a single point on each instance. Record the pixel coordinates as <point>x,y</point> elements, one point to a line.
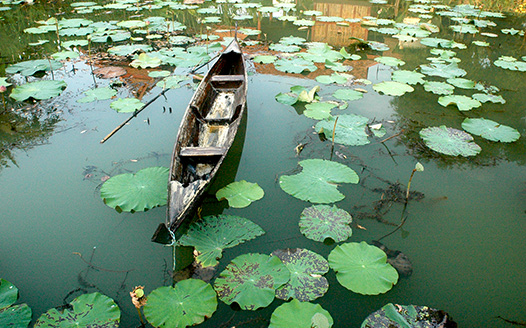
<point>202,151</point>
<point>227,78</point>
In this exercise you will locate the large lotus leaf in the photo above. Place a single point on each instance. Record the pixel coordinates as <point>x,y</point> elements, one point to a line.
<point>439,88</point>
<point>306,269</point>
<point>172,82</point>
<point>507,62</point>
<point>294,65</point>
<point>319,110</point>
<point>406,316</point>
<point>145,61</point>
<point>378,46</point>
<point>132,24</point>
<point>76,31</point>
<point>189,303</point>
<point>88,310</point>
<point>30,67</point>
<point>490,130</point>
<point>38,90</point>
<point>443,70</point>
<point>12,315</point>
<point>317,182</point>
<point>141,191</point>
<point>284,47</point>
<point>393,88</point>
<point>300,315</point>
<point>287,98</point>
<point>126,50</point>
<point>347,94</point>
<point>64,55</point>
<point>333,78</point>
<point>304,22</point>
<point>464,103</point>
<point>337,67</point>
<point>73,22</point>
<point>350,129</point>
<point>240,193</point>
<point>462,83</point>
<point>251,280</point>
<point>389,61</point>
<point>320,222</point>
<point>211,235</point>
<point>292,40</point>
<point>449,141</point>
<point>265,59</point>
<point>409,77</point>
<point>464,28</point>
<point>126,105</point>
<point>435,42</point>
<point>98,94</point>
<point>484,97</point>
<point>362,268</point>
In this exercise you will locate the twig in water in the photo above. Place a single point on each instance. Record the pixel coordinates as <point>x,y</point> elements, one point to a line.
<point>393,136</point>
<point>100,268</point>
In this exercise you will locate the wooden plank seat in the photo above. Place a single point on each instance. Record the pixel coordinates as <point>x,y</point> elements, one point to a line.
<point>202,151</point>
<point>228,78</point>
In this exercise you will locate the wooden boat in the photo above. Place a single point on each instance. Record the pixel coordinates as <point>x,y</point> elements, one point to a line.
<point>205,135</point>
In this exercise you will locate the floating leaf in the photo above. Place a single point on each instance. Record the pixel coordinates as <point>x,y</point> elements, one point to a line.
<point>406,316</point>
<point>347,94</point>
<point>464,103</point>
<point>392,88</point>
<point>439,88</point>
<point>334,78</point>
<point>251,280</point>
<point>264,59</point>
<point>362,268</point>
<point>211,235</point>
<point>18,316</point>
<point>506,62</point>
<point>317,182</point>
<point>38,90</point>
<point>490,130</point>
<point>306,269</point>
<point>443,70</point>
<point>481,43</point>
<point>240,193</point>
<point>126,50</point>
<point>300,315</point>
<point>304,22</point>
<point>294,65</point>
<point>64,55</point>
<point>141,191</point>
<point>484,97</point>
<point>292,40</point>
<point>319,110</point>
<point>350,129</point>
<point>320,222</point>
<point>98,94</point>
<point>87,310</point>
<point>409,77</point>
<point>284,47</point>
<point>155,74</point>
<point>378,46</point>
<point>449,141</point>
<point>172,82</point>
<point>30,67</point>
<point>462,83</point>
<point>126,105</point>
<point>464,28</point>
<point>188,303</point>
<point>287,98</point>
<point>390,61</point>
<point>4,83</point>
<point>145,61</point>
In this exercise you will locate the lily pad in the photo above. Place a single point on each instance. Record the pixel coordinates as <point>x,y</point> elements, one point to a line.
<point>439,88</point>
<point>240,193</point>
<point>126,50</point>
<point>87,310</point>
<point>11,315</point>
<point>141,191</point>
<point>390,61</point>
<point>408,77</point>
<point>292,40</point>
<point>287,98</point>
<point>64,55</point>
<point>188,303</point>
<point>363,268</point>
<point>145,61</point>
<point>407,316</point>
<point>464,103</point>
<point>393,88</point>
<point>462,83</point>
<point>484,97</point>
<point>443,70</point>
<point>126,105</point>
<point>306,269</point>
<point>284,47</point>
<point>294,65</point>
<point>320,222</point>
<point>251,280</point>
<point>319,110</point>
<point>334,78</point>
<point>300,315</point>
<point>172,82</point>
<point>347,94</point>
<point>317,182</point>
<point>490,130</point>
<point>98,94</point>
<point>506,62</point>
<point>265,59</point>
<point>350,129</point>
<point>449,141</point>
<point>30,67</point>
<point>38,90</point>
<point>378,46</point>
<point>211,235</point>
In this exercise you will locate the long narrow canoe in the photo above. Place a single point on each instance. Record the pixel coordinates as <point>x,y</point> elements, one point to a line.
<point>206,133</point>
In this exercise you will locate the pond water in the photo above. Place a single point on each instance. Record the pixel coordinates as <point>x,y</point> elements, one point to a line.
<point>465,236</point>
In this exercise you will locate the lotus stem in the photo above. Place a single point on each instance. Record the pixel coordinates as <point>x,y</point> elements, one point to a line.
<point>140,316</point>
<point>409,185</point>
<point>51,68</point>
<point>334,130</point>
